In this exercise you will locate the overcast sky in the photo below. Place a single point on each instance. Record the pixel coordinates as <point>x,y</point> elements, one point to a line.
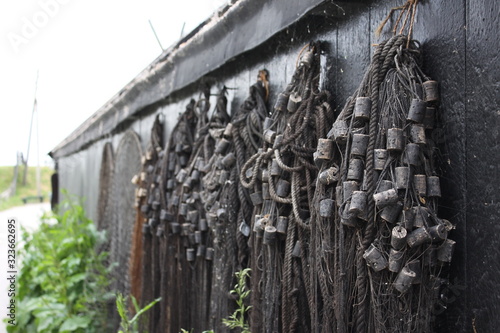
<point>85,51</point>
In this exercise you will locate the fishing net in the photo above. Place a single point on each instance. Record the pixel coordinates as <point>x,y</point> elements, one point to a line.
<point>166,271</point>
<point>127,165</point>
<point>390,245</point>
<point>281,178</point>
<point>104,198</point>
<point>145,249</point>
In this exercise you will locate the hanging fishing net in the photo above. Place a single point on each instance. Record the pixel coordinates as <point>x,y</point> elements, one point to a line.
<point>105,181</point>
<point>390,244</point>
<point>127,165</point>
<point>280,177</point>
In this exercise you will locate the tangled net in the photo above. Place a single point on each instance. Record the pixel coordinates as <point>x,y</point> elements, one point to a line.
<point>390,244</point>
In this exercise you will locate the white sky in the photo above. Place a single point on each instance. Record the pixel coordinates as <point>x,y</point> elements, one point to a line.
<point>85,52</point>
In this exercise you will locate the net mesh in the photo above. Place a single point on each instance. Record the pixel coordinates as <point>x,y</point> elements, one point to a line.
<point>127,165</point>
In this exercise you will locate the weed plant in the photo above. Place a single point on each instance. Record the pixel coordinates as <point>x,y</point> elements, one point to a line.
<point>63,282</point>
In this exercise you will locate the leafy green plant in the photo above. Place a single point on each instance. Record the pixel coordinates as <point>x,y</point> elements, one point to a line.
<point>237,319</point>
<point>62,282</point>
<point>130,325</point>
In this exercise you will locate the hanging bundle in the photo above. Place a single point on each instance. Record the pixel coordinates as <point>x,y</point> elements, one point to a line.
<point>152,206</point>
<point>219,196</point>
<point>147,218</point>
<point>227,203</point>
<point>391,243</point>
<point>184,240</point>
<point>281,178</point>
<point>248,138</point>
<point>247,129</point>
<point>196,240</point>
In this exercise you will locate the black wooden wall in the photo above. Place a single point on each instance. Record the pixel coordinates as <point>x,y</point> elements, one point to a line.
<point>460,41</point>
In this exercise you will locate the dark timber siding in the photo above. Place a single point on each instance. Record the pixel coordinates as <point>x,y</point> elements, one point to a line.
<point>460,41</point>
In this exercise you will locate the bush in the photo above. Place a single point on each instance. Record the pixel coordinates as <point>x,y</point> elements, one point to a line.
<point>62,284</point>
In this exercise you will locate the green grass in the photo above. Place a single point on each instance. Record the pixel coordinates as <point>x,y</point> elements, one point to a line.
<point>6,175</point>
